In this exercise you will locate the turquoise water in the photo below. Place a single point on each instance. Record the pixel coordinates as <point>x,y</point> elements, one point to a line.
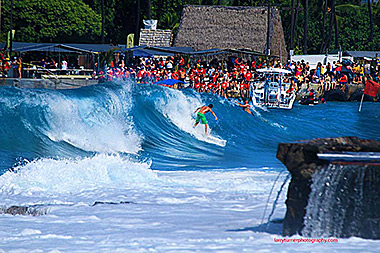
<point>154,124</point>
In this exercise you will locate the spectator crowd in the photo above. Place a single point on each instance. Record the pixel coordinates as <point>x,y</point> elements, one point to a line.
<point>234,77</point>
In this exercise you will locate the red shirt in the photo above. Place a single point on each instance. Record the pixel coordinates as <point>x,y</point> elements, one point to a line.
<point>248,76</point>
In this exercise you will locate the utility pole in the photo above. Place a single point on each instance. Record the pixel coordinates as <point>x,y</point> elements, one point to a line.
<point>269,19</point>
<point>102,22</point>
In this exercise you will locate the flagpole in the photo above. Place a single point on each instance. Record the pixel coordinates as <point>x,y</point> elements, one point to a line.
<point>361,102</point>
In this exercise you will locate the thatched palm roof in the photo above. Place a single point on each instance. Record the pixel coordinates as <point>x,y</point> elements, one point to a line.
<point>205,27</point>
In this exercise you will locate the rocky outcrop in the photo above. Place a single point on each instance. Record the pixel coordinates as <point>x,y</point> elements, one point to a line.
<point>23,210</point>
<point>302,162</point>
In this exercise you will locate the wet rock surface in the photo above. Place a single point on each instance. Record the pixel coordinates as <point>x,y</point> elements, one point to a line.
<point>23,210</point>
<point>302,162</point>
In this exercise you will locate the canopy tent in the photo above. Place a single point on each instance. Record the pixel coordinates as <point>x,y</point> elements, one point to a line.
<point>362,54</point>
<point>170,51</point>
<point>23,47</point>
<point>60,47</point>
<point>149,53</point>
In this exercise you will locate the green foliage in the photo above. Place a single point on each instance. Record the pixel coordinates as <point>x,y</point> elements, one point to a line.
<point>52,21</point>
<point>352,20</point>
<point>80,20</point>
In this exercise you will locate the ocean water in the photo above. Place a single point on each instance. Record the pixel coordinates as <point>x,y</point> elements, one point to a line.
<point>119,167</point>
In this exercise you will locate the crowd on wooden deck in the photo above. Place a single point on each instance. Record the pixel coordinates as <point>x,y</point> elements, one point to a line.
<point>228,78</point>
<point>235,77</point>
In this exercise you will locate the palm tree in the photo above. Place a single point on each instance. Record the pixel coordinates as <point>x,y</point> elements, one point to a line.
<point>333,22</point>
<point>323,45</point>
<point>335,25</point>
<point>160,8</point>
<point>327,46</point>
<point>296,16</point>
<point>149,9</point>
<point>102,34</point>
<point>138,9</point>
<point>306,11</point>
<point>292,28</point>
<point>370,21</point>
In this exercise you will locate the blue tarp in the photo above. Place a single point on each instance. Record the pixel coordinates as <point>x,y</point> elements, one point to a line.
<point>149,53</point>
<point>141,51</point>
<point>63,47</point>
<point>168,82</point>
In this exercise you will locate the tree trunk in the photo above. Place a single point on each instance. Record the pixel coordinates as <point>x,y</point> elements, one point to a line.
<point>330,31</point>
<point>296,18</point>
<point>11,31</point>
<point>102,34</point>
<point>323,44</point>
<point>160,7</point>
<point>0,16</point>
<point>370,21</point>
<point>292,28</point>
<point>149,3</point>
<point>306,11</point>
<point>335,26</point>
<point>137,33</point>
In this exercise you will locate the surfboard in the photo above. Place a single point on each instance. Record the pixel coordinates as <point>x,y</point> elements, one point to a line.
<point>215,140</point>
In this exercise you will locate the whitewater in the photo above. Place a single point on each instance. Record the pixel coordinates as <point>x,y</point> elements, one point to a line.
<point>119,167</point>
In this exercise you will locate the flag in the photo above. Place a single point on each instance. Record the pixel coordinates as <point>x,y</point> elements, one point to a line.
<point>130,40</point>
<point>9,38</point>
<point>371,88</point>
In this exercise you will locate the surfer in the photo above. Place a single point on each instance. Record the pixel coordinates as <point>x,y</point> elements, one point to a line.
<point>245,106</point>
<point>201,115</point>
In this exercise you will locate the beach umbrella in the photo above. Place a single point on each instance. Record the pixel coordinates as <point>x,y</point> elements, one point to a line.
<point>169,82</point>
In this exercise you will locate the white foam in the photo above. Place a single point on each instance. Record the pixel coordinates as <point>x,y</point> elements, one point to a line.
<point>28,231</point>
<point>172,211</point>
<point>89,125</point>
<point>55,176</point>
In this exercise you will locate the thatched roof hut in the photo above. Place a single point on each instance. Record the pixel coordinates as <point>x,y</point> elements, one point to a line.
<point>205,27</point>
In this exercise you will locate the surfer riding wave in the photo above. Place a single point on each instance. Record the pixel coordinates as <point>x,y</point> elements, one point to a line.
<point>201,115</point>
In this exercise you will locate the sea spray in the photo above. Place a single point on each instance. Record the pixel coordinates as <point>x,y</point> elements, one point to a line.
<point>68,176</point>
<point>102,125</point>
<point>335,206</point>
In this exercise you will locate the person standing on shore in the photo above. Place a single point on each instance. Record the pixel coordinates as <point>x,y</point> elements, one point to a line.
<point>201,115</point>
<point>19,67</point>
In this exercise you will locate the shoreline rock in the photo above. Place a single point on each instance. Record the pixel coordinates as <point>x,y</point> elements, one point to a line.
<point>302,161</point>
